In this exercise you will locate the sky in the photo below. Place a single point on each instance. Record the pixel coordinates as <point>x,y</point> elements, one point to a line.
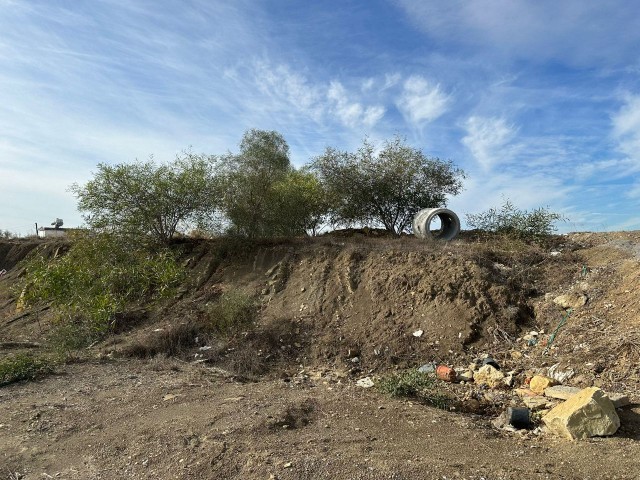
<point>537,101</point>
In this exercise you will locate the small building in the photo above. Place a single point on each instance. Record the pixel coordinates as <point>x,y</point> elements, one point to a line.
<point>54,231</point>
<point>51,232</point>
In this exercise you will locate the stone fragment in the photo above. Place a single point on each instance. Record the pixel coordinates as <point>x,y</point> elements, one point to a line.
<point>539,383</point>
<point>537,402</point>
<point>488,375</point>
<point>618,399</point>
<point>561,392</point>
<point>570,300</point>
<point>588,413</point>
<point>464,374</point>
<point>525,392</point>
<point>365,382</point>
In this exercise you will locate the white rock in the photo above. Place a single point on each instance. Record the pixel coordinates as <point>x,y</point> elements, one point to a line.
<point>365,382</point>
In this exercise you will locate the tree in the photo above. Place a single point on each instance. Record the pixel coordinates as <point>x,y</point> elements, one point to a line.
<point>299,204</point>
<point>248,180</point>
<point>385,188</point>
<point>145,198</point>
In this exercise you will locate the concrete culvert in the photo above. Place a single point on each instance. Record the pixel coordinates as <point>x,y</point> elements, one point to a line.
<point>449,224</point>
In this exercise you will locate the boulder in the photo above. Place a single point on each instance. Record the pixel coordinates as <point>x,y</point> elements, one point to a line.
<point>488,375</point>
<point>539,383</point>
<point>588,413</point>
<point>619,399</point>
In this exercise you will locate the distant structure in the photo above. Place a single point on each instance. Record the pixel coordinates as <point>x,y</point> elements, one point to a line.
<point>55,230</point>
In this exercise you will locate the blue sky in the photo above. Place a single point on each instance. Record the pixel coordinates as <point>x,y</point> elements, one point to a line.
<point>538,101</point>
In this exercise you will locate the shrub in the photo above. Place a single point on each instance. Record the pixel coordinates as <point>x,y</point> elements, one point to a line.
<point>514,222</point>
<point>23,367</point>
<point>412,383</point>
<point>231,309</point>
<point>98,279</point>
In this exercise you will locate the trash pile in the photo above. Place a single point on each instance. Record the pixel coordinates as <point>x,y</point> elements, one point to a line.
<point>539,404</point>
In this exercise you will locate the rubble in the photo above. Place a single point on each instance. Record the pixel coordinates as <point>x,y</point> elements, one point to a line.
<point>489,375</point>
<point>539,383</point>
<point>561,392</point>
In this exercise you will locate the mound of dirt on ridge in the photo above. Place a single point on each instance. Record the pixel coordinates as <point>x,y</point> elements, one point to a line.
<point>390,305</point>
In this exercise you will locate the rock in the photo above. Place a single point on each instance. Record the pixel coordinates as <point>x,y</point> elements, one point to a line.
<point>464,374</point>
<point>588,413</point>
<point>418,333</point>
<point>365,382</point>
<point>525,392</point>
<point>618,399</point>
<point>488,375</point>
<point>539,383</point>
<point>537,402</point>
<point>561,392</point>
<point>570,300</point>
<point>508,380</point>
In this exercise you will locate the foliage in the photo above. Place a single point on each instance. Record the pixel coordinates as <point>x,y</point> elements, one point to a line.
<point>406,384</point>
<point>23,367</point>
<point>248,179</point>
<point>146,198</point>
<point>231,309</point>
<point>96,280</point>
<point>263,195</point>
<point>7,235</point>
<point>385,188</point>
<point>514,222</point>
<point>413,383</point>
<point>299,204</point>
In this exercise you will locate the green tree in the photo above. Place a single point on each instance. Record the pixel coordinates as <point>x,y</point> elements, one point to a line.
<point>299,204</point>
<point>385,188</point>
<point>145,198</point>
<point>248,180</point>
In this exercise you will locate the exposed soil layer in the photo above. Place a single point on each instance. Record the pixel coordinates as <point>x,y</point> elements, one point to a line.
<point>278,397</point>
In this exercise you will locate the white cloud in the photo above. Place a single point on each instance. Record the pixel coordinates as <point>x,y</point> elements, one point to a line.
<point>351,113</point>
<point>487,139</point>
<point>422,102</point>
<point>626,127</point>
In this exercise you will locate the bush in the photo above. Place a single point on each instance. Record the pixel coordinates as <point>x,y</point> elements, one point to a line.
<point>23,367</point>
<point>96,281</point>
<point>231,309</point>
<point>511,221</point>
<point>412,383</point>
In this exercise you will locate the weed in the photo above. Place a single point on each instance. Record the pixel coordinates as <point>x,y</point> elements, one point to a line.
<point>232,309</point>
<point>412,383</point>
<point>23,367</point>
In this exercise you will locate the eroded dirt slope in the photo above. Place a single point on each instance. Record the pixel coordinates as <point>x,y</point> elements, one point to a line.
<point>279,397</point>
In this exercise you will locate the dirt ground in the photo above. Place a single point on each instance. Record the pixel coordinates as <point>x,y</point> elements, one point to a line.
<point>280,400</point>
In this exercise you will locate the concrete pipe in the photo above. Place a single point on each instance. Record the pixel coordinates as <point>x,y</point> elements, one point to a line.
<point>449,224</point>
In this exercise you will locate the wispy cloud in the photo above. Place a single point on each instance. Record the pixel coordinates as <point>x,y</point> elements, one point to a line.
<point>487,139</point>
<point>571,31</point>
<point>421,101</point>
